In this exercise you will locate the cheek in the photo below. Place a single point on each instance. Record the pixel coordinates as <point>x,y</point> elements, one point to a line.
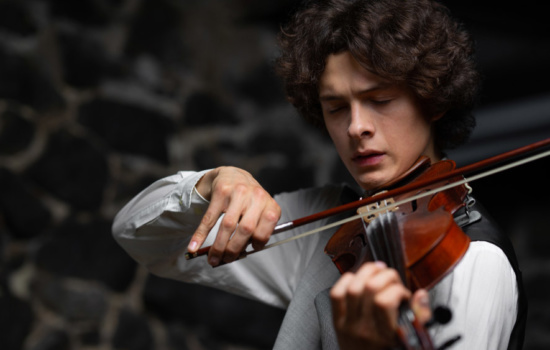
<point>339,141</point>
<point>336,141</point>
<point>422,128</point>
<point>409,125</point>
<point>418,137</point>
<point>333,130</point>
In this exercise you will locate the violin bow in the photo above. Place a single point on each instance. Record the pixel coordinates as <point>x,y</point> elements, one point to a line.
<point>462,171</point>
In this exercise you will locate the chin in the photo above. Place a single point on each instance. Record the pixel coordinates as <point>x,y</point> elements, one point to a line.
<point>369,184</point>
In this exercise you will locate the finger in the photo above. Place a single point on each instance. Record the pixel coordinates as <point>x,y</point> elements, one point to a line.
<point>377,275</point>
<point>391,297</point>
<point>387,303</point>
<point>420,304</point>
<point>234,210</point>
<point>361,290</point>
<point>383,293</point>
<point>268,220</point>
<point>208,221</point>
<point>250,216</point>
<point>369,280</point>
<point>338,296</point>
<point>256,225</point>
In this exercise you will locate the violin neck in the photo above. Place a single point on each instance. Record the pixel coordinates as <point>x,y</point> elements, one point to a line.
<point>385,243</point>
<point>412,334</point>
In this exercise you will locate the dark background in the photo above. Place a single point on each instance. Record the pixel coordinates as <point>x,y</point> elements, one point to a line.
<point>98,98</point>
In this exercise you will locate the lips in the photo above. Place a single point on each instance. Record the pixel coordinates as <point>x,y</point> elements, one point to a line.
<point>368,158</point>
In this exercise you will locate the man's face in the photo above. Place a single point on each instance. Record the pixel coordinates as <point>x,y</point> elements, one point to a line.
<point>378,128</point>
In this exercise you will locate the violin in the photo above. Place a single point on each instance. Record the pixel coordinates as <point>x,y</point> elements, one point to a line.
<point>420,239</point>
<point>417,229</point>
<point>409,225</point>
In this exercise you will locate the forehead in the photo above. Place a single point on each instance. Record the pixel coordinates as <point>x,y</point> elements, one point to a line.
<point>343,73</point>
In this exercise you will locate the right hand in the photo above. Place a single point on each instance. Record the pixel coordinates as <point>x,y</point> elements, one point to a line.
<point>251,214</point>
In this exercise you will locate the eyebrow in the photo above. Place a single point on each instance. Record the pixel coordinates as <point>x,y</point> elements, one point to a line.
<point>331,97</point>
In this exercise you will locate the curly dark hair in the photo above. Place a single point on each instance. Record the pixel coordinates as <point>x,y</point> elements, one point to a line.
<point>415,43</point>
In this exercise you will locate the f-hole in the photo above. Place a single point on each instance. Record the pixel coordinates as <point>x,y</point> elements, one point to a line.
<point>414,205</point>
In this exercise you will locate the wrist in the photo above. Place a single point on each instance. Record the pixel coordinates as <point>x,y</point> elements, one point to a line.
<point>204,185</point>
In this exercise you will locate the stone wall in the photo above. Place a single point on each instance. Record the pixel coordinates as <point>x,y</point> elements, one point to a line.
<point>99,98</point>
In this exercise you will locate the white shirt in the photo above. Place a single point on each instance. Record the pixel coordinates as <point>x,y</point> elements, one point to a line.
<point>155,228</point>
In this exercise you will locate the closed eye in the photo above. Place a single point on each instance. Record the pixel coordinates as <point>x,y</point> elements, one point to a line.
<point>381,102</point>
<point>335,110</point>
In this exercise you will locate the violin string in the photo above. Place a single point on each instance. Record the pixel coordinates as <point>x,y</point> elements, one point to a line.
<point>407,200</point>
<point>372,239</point>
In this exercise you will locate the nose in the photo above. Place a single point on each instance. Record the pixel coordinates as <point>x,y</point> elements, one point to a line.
<point>361,122</point>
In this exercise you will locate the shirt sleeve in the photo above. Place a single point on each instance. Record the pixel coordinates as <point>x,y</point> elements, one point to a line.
<point>482,294</point>
<point>156,226</point>
<point>169,209</point>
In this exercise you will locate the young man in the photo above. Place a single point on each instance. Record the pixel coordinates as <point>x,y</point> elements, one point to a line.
<point>390,81</point>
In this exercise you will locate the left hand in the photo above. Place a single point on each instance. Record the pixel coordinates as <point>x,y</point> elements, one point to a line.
<point>365,307</point>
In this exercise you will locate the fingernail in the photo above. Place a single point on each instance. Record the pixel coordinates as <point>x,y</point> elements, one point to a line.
<point>192,246</point>
<point>214,261</point>
<point>381,264</point>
